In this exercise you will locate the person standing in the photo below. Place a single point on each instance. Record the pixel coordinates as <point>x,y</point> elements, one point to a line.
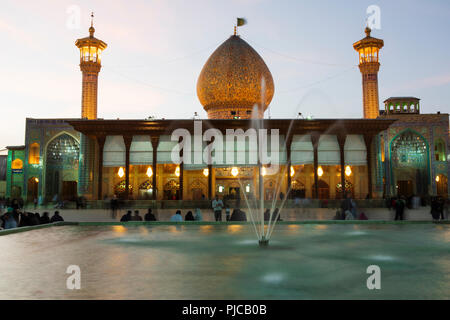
<point>114,203</point>
<point>399,206</point>
<point>441,205</point>
<point>217,206</point>
<point>347,205</point>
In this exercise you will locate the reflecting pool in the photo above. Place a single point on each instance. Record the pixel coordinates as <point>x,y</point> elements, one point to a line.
<point>303,261</point>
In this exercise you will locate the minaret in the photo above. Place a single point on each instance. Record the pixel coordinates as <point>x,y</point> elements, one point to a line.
<point>369,49</point>
<point>90,64</point>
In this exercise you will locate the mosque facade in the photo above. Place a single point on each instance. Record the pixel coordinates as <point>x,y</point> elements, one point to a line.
<point>389,152</point>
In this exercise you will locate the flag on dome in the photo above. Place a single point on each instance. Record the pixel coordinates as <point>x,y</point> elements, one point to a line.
<point>241,22</point>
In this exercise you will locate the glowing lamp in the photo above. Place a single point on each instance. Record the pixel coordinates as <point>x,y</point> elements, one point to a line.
<point>292,171</point>
<point>149,172</point>
<point>348,171</point>
<point>263,171</point>
<point>438,179</point>
<point>177,171</point>
<point>234,171</point>
<point>121,172</point>
<point>206,172</point>
<point>36,180</point>
<point>319,171</point>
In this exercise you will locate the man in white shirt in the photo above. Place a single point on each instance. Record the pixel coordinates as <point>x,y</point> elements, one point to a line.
<point>217,206</point>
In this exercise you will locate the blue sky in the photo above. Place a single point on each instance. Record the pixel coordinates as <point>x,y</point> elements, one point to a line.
<point>156,50</point>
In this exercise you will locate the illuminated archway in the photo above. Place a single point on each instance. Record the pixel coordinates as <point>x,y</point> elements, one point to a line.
<point>33,153</point>
<point>61,167</point>
<point>409,163</point>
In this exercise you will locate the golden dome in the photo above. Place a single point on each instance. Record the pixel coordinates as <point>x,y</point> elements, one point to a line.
<point>229,85</point>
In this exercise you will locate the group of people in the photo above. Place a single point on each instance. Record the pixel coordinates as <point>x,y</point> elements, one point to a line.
<point>348,210</point>
<point>197,216</point>
<point>236,215</point>
<point>14,218</point>
<point>149,216</point>
<point>438,208</point>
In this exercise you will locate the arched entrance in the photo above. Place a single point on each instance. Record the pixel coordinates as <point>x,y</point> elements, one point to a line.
<point>119,189</point>
<point>146,190</point>
<point>270,189</point>
<point>442,185</point>
<point>323,190</point>
<point>198,189</point>
<point>32,189</point>
<point>409,164</point>
<point>172,190</point>
<point>61,167</point>
<point>298,190</point>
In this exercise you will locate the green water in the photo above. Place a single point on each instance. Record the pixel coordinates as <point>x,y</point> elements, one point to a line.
<point>310,261</point>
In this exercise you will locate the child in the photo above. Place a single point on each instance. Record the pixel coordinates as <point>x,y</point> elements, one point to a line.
<point>227,213</point>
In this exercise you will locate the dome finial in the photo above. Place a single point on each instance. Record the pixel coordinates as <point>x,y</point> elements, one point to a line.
<point>368,31</point>
<point>92,29</point>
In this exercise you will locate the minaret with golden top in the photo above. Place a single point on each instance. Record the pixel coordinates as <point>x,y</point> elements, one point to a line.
<point>90,64</point>
<point>369,49</point>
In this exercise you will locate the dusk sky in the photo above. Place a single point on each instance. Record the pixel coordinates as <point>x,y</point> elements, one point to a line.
<point>156,50</point>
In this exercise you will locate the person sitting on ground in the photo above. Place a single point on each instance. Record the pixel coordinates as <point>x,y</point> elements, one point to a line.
<point>136,216</point>
<point>38,217</point>
<point>24,220</point>
<point>348,215</point>
<point>276,215</point>
<point>177,217</point>
<point>198,215</point>
<point>189,216</point>
<point>149,216</point>
<point>238,215</point>
<point>44,219</point>
<point>338,215</point>
<point>32,220</point>
<point>362,216</point>
<point>267,215</point>
<point>126,217</point>
<point>56,217</point>
<point>9,220</point>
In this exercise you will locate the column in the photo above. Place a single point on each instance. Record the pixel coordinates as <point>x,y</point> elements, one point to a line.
<point>368,140</point>
<point>288,155</point>
<point>315,142</point>
<point>86,166</point>
<point>101,144</point>
<point>181,179</point>
<point>127,139</point>
<point>209,182</point>
<point>341,140</point>
<point>155,141</point>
